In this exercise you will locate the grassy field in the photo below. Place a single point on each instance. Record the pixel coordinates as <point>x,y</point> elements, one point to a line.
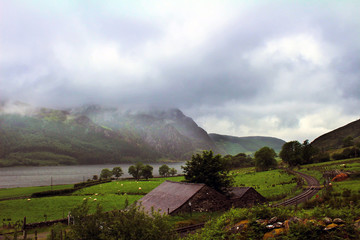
<point>268,183</point>
<point>27,191</point>
<point>111,195</point>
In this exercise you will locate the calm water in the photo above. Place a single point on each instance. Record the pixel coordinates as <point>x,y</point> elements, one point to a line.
<point>11,177</point>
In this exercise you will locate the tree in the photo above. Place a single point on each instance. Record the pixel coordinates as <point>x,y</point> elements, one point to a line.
<point>265,159</point>
<point>208,169</point>
<point>135,170</point>
<point>164,170</point>
<point>291,153</point>
<point>106,173</point>
<point>146,171</point>
<point>172,171</point>
<point>308,152</point>
<point>117,172</point>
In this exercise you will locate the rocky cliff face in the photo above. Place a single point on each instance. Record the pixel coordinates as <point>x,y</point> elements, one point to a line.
<point>169,132</point>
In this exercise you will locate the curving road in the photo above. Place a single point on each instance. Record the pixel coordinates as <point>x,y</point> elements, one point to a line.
<point>313,188</point>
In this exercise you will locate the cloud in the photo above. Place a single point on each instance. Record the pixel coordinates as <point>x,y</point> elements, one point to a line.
<point>276,68</point>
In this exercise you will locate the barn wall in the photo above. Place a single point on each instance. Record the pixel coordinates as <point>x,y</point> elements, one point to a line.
<point>205,200</point>
<point>250,198</point>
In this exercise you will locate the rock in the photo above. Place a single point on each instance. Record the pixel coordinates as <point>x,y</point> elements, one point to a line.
<point>270,226</point>
<point>273,220</point>
<point>274,233</point>
<point>327,220</point>
<point>330,226</point>
<point>262,222</point>
<point>278,225</point>
<point>338,221</point>
<point>295,220</point>
<point>287,225</point>
<point>240,226</point>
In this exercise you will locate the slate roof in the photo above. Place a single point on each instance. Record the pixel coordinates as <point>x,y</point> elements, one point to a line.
<point>238,192</point>
<point>169,195</point>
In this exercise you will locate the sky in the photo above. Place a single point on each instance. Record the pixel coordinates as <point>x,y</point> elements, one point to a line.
<point>287,69</point>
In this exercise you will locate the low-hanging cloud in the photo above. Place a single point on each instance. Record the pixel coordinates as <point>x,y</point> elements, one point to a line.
<point>276,68</point>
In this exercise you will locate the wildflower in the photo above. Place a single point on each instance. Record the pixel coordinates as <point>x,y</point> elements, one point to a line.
<point>139,188</point>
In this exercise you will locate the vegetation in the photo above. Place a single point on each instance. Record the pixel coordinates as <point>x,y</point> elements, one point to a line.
<point>132,223</point>
<point>140,170</point>
<point>117,172</point>
<point>295,153</point>
<point>164,170</point>
<point>265,159</point>
<point>240,160</point>
<point>208,169</point>
<point>106,173</point>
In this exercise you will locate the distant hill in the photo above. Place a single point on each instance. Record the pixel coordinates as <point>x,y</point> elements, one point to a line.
<point>94,134</point>
<point>234,145</point>
<point>335,138</point>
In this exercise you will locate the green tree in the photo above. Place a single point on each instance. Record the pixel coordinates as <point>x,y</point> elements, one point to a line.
<point>164,170</point>
<point>146,171</point>
<point>117,172</point>
<point>208,169</point>
<point>291,153</point>
<point>135,170</point>
<point>265,159</point>
<point>172,171</point>
<point>106,173</point>
<point>308,152</point>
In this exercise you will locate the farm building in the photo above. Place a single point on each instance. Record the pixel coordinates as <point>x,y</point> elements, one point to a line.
<point>176,197</point>
<point>245,197</point>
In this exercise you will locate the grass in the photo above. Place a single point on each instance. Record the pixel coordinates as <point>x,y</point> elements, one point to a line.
<point>57,207</point>
<point>268,183</point>
<point>27,191</point>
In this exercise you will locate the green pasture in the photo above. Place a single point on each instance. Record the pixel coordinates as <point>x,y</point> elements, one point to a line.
<point>268,183</point>
<point>27,191</point>
<point>125,186</point>
<point>57,207</point>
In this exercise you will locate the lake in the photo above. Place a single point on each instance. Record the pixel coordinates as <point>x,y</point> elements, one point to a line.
<point>11,177</point>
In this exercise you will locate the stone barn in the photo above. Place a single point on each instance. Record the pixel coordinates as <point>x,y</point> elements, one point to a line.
<point>177,197</point>
<point>245,197</point>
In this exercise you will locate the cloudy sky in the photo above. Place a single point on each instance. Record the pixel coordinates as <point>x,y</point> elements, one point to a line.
<point>288,69</point>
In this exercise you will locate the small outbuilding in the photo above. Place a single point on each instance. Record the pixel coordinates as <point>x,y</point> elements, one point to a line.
<point>177,197</point>
<point>244,197</point>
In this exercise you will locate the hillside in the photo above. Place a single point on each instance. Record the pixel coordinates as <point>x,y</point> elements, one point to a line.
<point>233,145</point>
<point>334,139</point>
<point>93,134</point>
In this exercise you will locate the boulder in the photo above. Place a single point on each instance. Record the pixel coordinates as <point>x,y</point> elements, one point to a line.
<point>274,233</point>
<point>278,225</point>
<point>273,220</point>
<point>338,221</point>
<point>327,220</point>
<point>331,226</point>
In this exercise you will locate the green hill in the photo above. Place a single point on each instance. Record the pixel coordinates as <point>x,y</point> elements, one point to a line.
<point>335,139</point>
<point>234,145</point>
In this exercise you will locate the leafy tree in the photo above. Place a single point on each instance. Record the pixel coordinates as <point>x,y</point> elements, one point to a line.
<point>208,169</point>
<point>146,171</point>
<point>239,160</point>
<point>164,170</point>
<point>132,223</point>
<point>95,177</point>
<point>135,170</point>
<point>291,153</point>
<point>172,171</point>
<point>106,173</point>
<point>117,172</point>
<point>308,152</point>
<point>265,159</point>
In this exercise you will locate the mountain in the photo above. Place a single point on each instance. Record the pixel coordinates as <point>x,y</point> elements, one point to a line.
<point>334,139</point>
<point>94,134</point>
<point>234,145</point>
<point>172,134</point>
